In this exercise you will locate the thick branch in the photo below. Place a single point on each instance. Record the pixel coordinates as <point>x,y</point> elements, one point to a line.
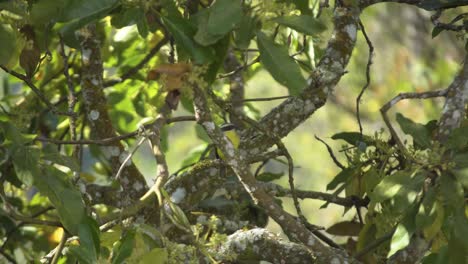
<point>133,183</point>
<point>259,244</point>
<point>293,111</point>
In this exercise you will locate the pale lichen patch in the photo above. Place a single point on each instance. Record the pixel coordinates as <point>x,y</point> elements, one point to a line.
<point>93,115</point>
<point>178,195</point>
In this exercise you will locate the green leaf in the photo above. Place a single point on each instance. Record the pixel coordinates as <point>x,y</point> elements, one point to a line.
<point>345,228</point>
<point>457,242</point>
<point>354,138</point>
<point>127,17</point>
<point>156,255</point>
<point>124,249</point>
<point>390,185</point>
<point>194,155</point>
<point>45,11</point>
<point>183,33</point>
<point>440,4</point>
<point>68,29</point>
<point>451,193</point>
<point>458,139</point>
<point>436,31</point>
<point>276,60</point>
<point>427,210</point>
<point>203,36</point>
<point>342,177</point>
<point>305,24</point>
<point>9,48</point>
<point>51,153</point>
<point>420,134</point>
<point>403,232</point>
<point>89,248</point>
<point>437,258</point>
<point>245,32</point>
<point>25,161</point>
<point>269,176</point>
<point>54,184</point>
<point>224,16</point>
<point>221,49</point>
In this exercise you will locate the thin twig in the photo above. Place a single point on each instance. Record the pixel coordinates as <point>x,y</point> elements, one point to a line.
<point>129,156</point>
<point>107,141</point>
<point>226,75</point>
<point>280,191</point>
<point>266,98</point>
<point>140,65</point>
<point>332,155</point>
<point>60,246</point>
<point>402,96</point>
<point>36,90</point>
<point>368,76</point>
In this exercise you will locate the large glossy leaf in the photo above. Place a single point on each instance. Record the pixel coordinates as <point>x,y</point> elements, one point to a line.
<point>203,36</point>
<point>403,232</point>
<point>45,11</point>
<point>245,31</point>
<point>89,248</point>
<point>283,68</point>
<point>342,177</point>
<point>224,16</point>
<point>390,185</point>
<point>354,138</point>
<point>54,184</point>
<point>419,132</point>
<point>458,139</point>
<point>345,228</point>
<point>305,24</point>
<point>156,255</point>
<point>25,161</point>
<point>124,248</point>
<point>8,46</point>
<point>183,33</point>
<point>51,153</point>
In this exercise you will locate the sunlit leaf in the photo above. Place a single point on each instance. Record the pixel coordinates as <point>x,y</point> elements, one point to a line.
<point>390,185</point>
<point>156,255</point>
<point>420,134</point>
<point>124,248</point>
<point>403,232</point>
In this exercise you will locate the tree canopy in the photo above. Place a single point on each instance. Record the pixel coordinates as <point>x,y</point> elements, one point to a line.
<point>114,138</point>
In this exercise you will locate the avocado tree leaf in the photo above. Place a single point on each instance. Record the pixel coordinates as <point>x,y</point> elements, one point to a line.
<point>419,132</point>
<point>183,33</point>
<point>405,229</point>
<point>390,185</point>
<point>305,24</point>
<point>9,48</point>
<point>89,248</point>
<point>224,16</point>
<point>55,184</point>
<point>283,68</point>
<point>25,161</point>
